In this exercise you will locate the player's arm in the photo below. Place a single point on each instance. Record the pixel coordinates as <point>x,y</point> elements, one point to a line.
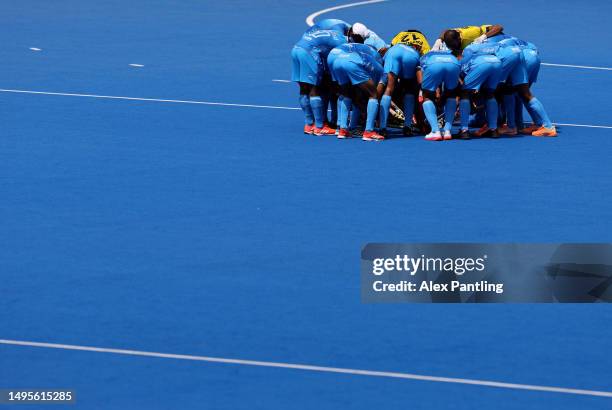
<point>489,31</point>
<point>494,30</point>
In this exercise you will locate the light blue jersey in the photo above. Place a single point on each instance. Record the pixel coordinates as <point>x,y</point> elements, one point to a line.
<point>514,70</point>
<point>331,24</point>
<point>532,60</point>
<point>401,60</point>
<point>349,48</point>
<point>321,41</point>
<point>440,67</point>
<point>356,67</point>
<point>375,41</point>
<point>310,54</point>
<point>481,66</point>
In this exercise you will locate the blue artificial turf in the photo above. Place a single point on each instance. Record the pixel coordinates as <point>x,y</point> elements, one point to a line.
<point>224,231</point>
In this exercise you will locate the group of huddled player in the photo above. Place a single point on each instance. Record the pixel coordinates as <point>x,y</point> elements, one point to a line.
<point>351,70</point>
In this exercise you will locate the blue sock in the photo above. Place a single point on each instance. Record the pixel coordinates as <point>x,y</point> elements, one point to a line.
<point>339,110</point>
<point>317,109</point>
<point>492,110</point>
<point>408,109</point>
<point>538,108</point>
<point>305,104</point>
<point>385,105</point>
<point>432,116</point>
<point>450,107</point>
<point>464,113</point>
<point>355,117</point>
<point>510,106</point>
<point>347,103</point>
<point>371,114</point>
<point>518,114</point>
<point>534,115</point>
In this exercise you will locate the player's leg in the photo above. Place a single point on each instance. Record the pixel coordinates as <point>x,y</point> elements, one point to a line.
<point>410,76</point>
<point>473,81</point>
<point>547,129</point>
<point>508,95</point>
<point>433,77</point>
<point>365,76</point>
<point>306,108</point>
<point>345,110</point>
<point>315,71</point>
<point>410,90</point>
<point>451,83</point>
<point>491,75</point>
<point>464,113</point>
<point>517,76</point>
<point>385,101</point>
<point>369,88</point>
<point>299,74</point>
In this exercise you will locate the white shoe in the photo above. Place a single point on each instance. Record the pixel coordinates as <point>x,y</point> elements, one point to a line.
<point>447,135</point>
<point>434,136</point>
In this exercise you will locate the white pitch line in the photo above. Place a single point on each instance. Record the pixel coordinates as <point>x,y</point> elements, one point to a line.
<point>306,367</point>
<point>136,65</point>
<point>310,18</point>
<point>113,97</point>
<point>588,67</point>
<point>584,125</point>
<point>281,81</point>
<point>163,100</point>
<point>35,49</point>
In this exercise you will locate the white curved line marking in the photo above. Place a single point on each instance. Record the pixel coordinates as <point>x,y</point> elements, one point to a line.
<point>307,367</point>
<point>310,19</point>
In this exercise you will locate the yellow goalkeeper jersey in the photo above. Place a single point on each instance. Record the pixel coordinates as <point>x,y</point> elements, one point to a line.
<point>471,33</point>
<point>413,38</point>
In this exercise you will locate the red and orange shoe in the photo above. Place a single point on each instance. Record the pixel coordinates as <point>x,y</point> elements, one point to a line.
<point>309,129</point>
<point>529,130</point>
<point>372,136</point>
<point>505,130</point>
<point>482,131</point>
<point>326,130</point>
<point>545,132</point>
<point>343,133</point>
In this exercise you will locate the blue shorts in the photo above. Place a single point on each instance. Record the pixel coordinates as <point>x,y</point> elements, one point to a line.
<point>532,64</point>
<point>485,72</point>
<point>355,69</point>
<point>402,61</point>
<point>437,73</point>
<point>514,71</point>
<point>306,67</point>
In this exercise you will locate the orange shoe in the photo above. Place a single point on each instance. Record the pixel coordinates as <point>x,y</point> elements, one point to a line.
<point>326,130</point>
<point>529,130</point>
<point>505,130</point>
<point>309,129</point>
<point>485,131</point>
<point>372,136</point>
<point>545,132</point>
<point>343,133</point>
<point>482,131</point>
